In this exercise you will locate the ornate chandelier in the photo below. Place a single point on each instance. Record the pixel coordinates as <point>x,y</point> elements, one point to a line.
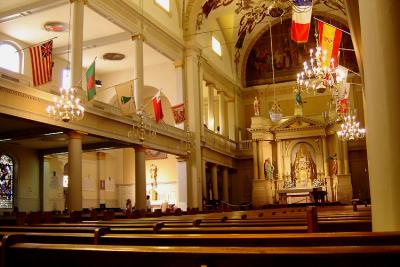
<point>318,76</point>
<point>142,128</point>
<point>350,129</point>
<point>67,107</point>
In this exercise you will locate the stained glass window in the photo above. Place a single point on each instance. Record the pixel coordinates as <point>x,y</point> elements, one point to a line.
<point>6,182</point>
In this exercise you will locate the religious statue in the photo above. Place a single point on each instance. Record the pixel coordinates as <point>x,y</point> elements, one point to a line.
<point>297,97</point>
<point>256,105</point>
<point>268,169</point>
<point>153,176</point>
<point>333,165</point>
<point>304,170</point>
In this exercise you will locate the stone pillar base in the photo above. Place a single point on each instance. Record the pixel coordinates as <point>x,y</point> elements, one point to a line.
<point>344,188</point>
<point>262,193</point>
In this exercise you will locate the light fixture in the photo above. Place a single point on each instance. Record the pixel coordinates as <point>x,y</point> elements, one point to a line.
<point>67,107</point>
<point>319,77</point>
<point>142,128</point>
<point>275,113</point>
<point>350,129</point>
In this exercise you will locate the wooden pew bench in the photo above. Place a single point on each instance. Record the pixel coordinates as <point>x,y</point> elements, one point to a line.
<point>20,253</point>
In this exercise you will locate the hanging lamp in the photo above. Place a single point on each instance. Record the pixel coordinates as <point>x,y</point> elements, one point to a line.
<point>275,113</point>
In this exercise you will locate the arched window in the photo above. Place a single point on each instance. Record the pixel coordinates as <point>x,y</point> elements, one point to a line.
<point>10,58</point>
<point>6,182</point>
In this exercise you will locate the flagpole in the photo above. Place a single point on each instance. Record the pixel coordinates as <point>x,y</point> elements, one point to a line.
<point>332,26</point>
<point>36,44</point>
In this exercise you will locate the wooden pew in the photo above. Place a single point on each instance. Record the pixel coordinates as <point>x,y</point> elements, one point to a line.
<point>17,252</point>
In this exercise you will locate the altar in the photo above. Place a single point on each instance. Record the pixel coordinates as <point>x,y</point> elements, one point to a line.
<point>301,195</point>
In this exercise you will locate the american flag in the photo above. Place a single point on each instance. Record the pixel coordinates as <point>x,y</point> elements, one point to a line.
<point>42,62</point>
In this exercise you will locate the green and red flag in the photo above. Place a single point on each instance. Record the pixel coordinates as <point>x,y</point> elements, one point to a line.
<point>91,82</point>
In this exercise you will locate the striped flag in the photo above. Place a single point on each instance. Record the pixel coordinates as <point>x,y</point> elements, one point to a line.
<point>42,63</point>
<point>301,18</point>
<point>329,40</point>
<point>90,81</point>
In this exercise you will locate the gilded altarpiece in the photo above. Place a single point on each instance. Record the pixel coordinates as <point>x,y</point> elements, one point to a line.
<point>300,165</point>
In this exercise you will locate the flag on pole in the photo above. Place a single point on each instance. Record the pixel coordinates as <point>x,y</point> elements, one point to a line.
<point>329,41</point>
<point>179,113</point>
<point>301,18</point>
<point>158,113</point>
<point>91,81</point>
<point>124,96</point>
<point>42,63</point>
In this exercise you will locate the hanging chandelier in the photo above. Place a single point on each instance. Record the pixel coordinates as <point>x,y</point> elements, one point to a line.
<point>318,76</point>
<point>67,107</point>
<point>142,128</point>
<point>350,129</point>
<point>275,113</point>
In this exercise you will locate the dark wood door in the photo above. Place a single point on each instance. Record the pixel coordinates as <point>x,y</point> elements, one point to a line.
<point>359,174</point>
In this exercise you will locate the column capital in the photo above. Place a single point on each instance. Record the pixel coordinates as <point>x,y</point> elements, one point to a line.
<point>139,148</point>
<point>182,158</point>
<point>179,63</point>
<point>210,84</point>
<point>74,135</point>
<point>82,1</point>
<point>101,155</point>
<point>221,92</point>
<point>138,36</point>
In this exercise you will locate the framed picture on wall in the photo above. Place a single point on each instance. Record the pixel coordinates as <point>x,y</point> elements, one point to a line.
<point>150,154</point>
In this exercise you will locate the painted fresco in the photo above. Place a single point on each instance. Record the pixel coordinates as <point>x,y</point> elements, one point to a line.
<point>288,55</point>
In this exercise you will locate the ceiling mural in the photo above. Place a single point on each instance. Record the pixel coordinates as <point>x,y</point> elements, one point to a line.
<point>250,13</point>
<point>288,55</point>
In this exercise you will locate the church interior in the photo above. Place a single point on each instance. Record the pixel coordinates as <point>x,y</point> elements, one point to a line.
<point>201,107</point>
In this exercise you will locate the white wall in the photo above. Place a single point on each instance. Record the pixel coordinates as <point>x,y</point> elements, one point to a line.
<point>26,174</point>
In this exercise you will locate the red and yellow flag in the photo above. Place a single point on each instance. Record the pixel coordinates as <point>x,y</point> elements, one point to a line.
<point>329,41</point>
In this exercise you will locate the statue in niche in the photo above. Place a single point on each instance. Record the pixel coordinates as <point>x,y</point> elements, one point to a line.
<point>268,169</point>
<point>256,105</point>
<point>333,165</point>
<point>304,170</point>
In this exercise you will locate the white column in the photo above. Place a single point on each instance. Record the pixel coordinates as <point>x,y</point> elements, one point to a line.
<point>101,175</point>
<point>380,39</point>
<point>325,155</point>
<point>225,183</point>
<point>222,113</point>
<point>204,179</point>
<point>345,151</point>
<point>279,159</point>
<point>211,118</point>
<point>194,79</point>
<point>140,178</point>
<point>214,180</point>
<point>237,107</point>
<point>180,93</point>
<point>129,173</point>
<point>74,171</point>
<point>261,157</point>
<point>255,160</point>
<point>181,168</point>
<point>138,77</point>
<point>76,41</point>
<point>339,154</point>
<point>231,120</point>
